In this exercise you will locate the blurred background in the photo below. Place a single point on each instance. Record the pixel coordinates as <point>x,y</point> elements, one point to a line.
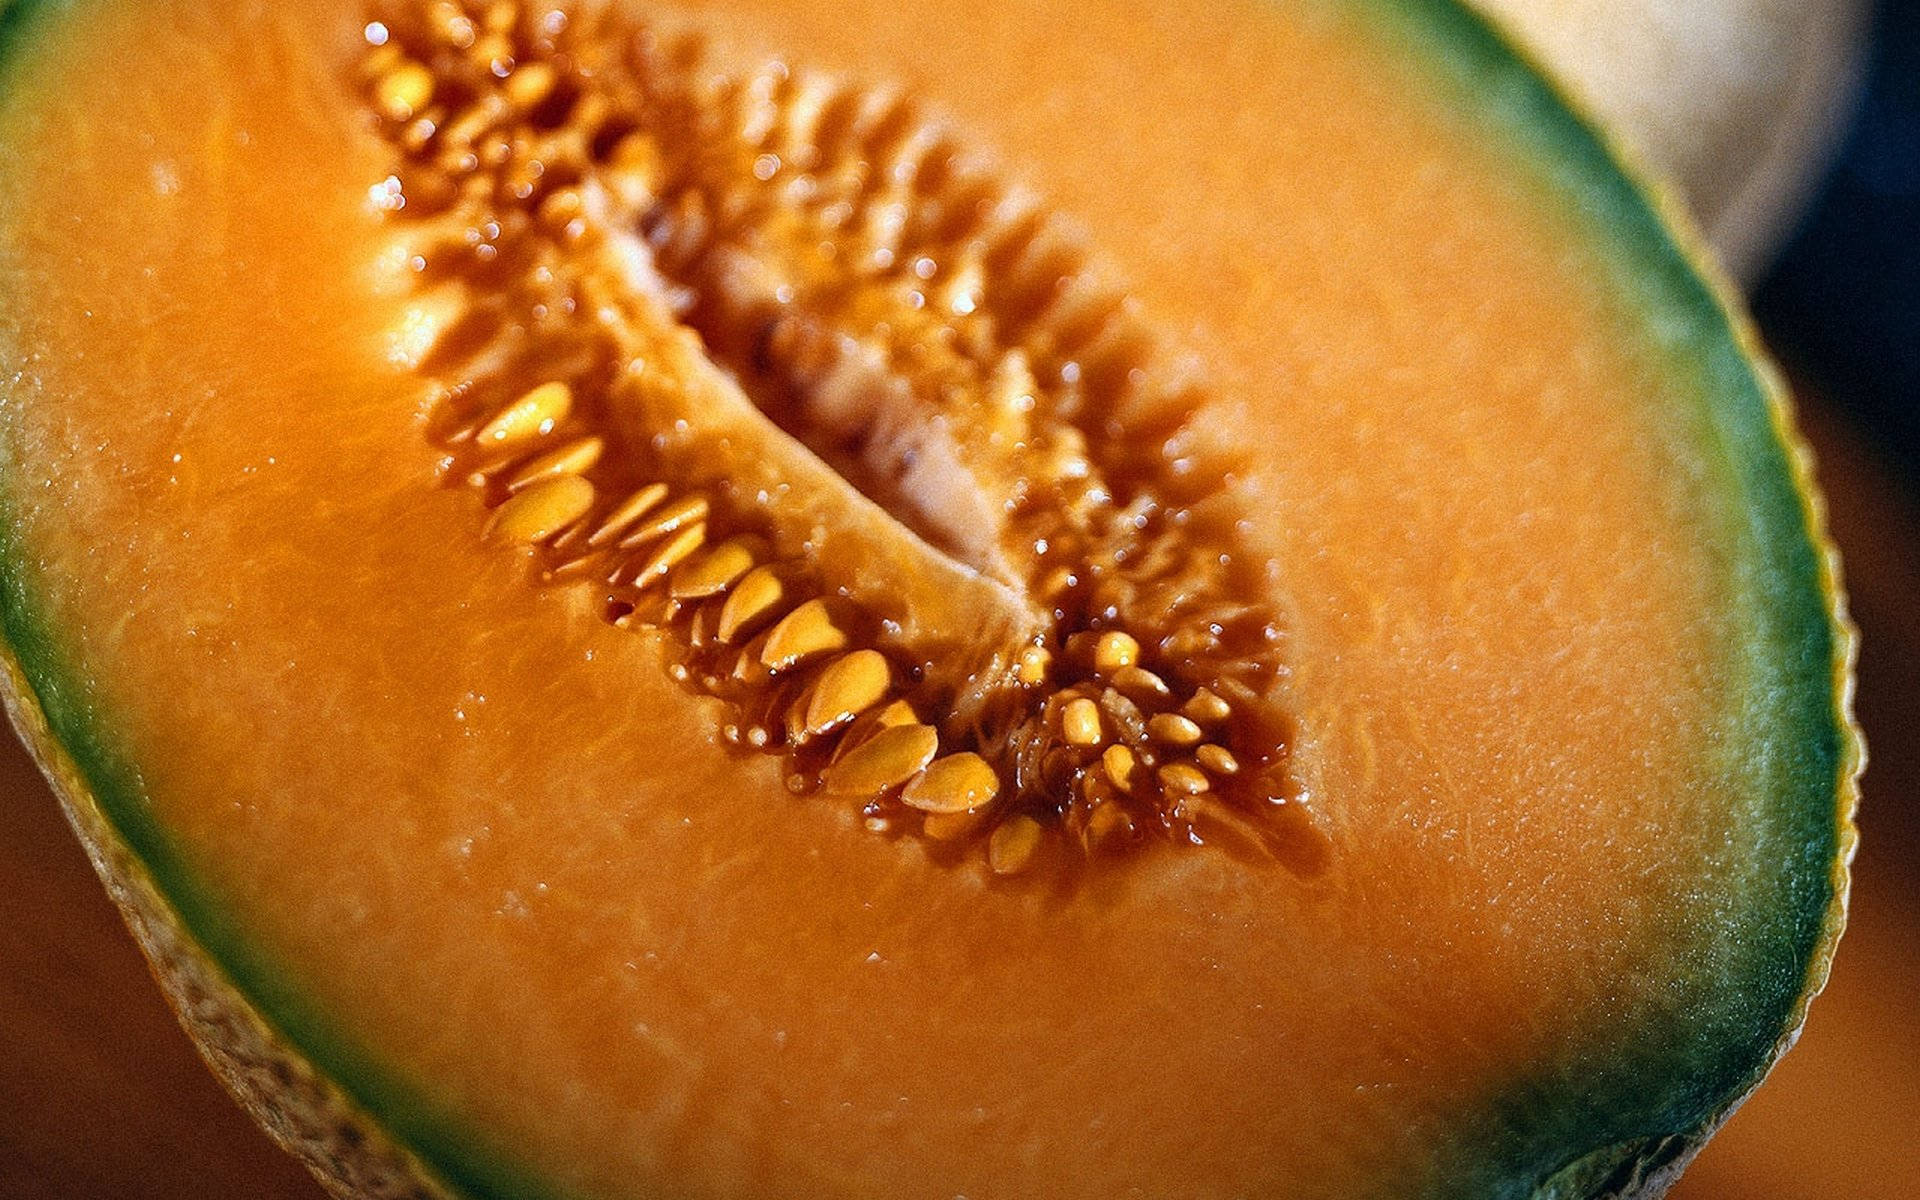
<point>1793,129</point>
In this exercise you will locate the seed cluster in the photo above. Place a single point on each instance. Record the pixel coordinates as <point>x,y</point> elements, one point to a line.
<point>629,228</point>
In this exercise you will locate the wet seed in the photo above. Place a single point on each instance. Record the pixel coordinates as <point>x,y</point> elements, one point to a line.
<point>684,511</point>
<point>1206,707</point>
<point>802,634</point>
<point>539,512</point>
<point>847,687</point>
<point>753,600</point>
<point>533,415</point>
<point>1217,759</point>
<point>575,458</point>
<point>1115,650</point>
<point>888,759</point>
<point>627,512</point>
<point>712,572</point>
<point>956,783</point>
<point>1080,723</point>
<point>670,555</point>
<point>1034,661</point>
<point>1141,684</point>
<point>1172,729</point>
<point>1121,766</point>
<point>1183,779</point>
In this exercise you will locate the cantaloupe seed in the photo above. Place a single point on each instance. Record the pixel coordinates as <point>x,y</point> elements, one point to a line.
<point>542,510</point>
<point>955,783</point>
<point>535,413</point>
<point>628,511</point>
<point>1173,729</point>
<point>1217,759</point>
<point>1183,779</point>
<point>713,571</point>
<point>553,146</point>
<point>753,599</point>
<point>886,760</point>
<point>847,687</point>
<point>1115,650</point>
<point>1205,707</point>
<point>1034,661</point>
<point>805,633</point>
<point>574,458</point>
<point>669,555</point>
<point>1080,723</point>
<point>684,511</point>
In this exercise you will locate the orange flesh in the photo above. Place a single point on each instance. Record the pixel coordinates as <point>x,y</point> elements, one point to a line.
<point>487,836</point>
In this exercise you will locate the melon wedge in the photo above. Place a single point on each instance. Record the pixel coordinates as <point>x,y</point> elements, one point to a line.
<point>474,876</point>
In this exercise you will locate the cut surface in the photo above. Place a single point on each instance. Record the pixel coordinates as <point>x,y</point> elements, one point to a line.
<point>1560,676</point>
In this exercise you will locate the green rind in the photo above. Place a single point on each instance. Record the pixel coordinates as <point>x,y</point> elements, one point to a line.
<point>1798,615</point>
<point>1801,647</point>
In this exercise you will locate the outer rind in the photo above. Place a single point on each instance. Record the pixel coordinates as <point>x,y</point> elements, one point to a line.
<point>304,1111</point>
<point>313,1116</point>
<point>1644,1168</point>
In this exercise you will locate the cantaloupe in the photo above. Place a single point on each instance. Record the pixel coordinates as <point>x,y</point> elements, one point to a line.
<point>858,599</point>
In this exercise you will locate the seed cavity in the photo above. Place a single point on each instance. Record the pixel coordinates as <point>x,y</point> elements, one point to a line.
<point>804,387</point>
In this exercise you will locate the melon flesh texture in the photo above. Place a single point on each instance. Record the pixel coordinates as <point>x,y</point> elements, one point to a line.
<point>1562,664</point>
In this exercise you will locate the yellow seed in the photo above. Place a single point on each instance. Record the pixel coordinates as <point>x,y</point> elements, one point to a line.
<point>533,415</point>
<point>1172,729</point>
<point>1115,650</point>
<point>1121,766</point>
<point>751,601</point>
<point>530,84</point>
<point>948,827</point>
<point>1034,661</point>
<point>1080,723</point>
<point>1011,848</point>
<point>956,783</point>
<point>1217,759</point>
<point>1138,681</point>
<point>805,632</point>
<point>1107,821</point>
<point>574,458</point>
<point>670,555</point>
<point>1183,779</point>
<point>888,716</point>
<point>627,512</point>
<point>403,91</point>
<point>542,510</point>
<point>713,572</point>
<point>847,687</point>
<point>1207,707</point>
<point>887,759</point>
<point>684,511</point>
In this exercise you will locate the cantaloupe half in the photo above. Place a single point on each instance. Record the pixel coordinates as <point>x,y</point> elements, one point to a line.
<point>1349,579</point>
